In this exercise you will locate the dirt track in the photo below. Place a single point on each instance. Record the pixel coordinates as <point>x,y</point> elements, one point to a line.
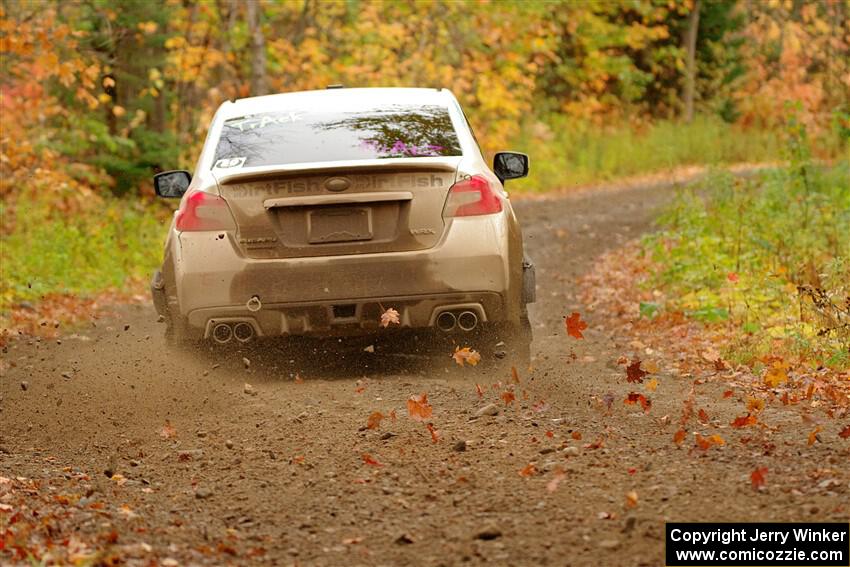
<point>279,477</point>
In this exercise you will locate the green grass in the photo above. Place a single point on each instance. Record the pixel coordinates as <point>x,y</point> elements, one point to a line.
<point>769,257</point>
<point>81,253</point>
<point>565,152</point>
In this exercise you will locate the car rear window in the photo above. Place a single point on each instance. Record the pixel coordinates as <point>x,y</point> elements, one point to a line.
<point>303,136</point>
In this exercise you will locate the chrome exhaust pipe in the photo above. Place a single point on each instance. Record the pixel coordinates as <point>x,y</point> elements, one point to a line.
<point>446,321</point>
<point>467,320</point>
<point>222,333</point>
<point>243,332</point>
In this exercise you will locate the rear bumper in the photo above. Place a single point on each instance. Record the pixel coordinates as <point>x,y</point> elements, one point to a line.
<point>476,265</point>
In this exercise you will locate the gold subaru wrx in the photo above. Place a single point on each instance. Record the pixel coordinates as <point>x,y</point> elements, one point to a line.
<point>315,213</point>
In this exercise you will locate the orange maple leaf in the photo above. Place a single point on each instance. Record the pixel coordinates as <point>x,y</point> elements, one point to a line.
<point>744,421</point>
<point>374,421</point>
<point>367,458</point>
<point>728,394</point>
<point>703,415</point>
<point>679,436</point>
<point>705,443</point>
<point>754,405</point>
<point>418,407</point>
<point>575,325</point>
<point>576,435</point>
<point>528,470</point>
<point>634,372</point>
<point>467,356</point>
<point>845,433</point>
<point>757,477</point>
<point>634,398</point>
<point>508,396</point>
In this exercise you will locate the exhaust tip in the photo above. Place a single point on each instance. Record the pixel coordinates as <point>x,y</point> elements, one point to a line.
<point>243,332</point>
<point>467,320</point>
<point>222,333</point>
<point>446,321</point>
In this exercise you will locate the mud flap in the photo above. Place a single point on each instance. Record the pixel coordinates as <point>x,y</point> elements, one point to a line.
<point>529,281</point>
<point>160,302</point>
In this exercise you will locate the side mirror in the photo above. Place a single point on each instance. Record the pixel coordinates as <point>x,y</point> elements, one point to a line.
<point>510,165</point>
<point>172,184</point>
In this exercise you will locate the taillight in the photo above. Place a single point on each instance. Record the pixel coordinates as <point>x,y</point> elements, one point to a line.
<point>202,211</point>
<point>472,196</point>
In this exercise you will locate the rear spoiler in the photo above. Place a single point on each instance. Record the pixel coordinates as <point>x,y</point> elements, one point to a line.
<point>230,176</point>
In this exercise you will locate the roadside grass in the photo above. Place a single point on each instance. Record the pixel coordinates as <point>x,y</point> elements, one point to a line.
<point>566,153</point>
<point>767,257</point>
<point>100,248</point>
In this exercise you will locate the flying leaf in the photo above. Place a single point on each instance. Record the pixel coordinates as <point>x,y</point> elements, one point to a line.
<point>479,390</point>
<point>631,499</point>
<point>732,277</point>
<point>528,470</point>
<point>757,477</point>
<point>514,375</point>
<point>558,475</point>
<point>389,317</point>
<point>418,407</point>
<point>705,443</point>
<point>575,326</point>
<point>369,460</point>
<point>435,435</point>
<point>466,356</point>
<point>813,436</point>
<point>634,372</point>
<point>374,421</point>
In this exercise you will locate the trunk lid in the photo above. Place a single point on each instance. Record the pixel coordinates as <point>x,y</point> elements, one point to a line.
<point>357,207</point>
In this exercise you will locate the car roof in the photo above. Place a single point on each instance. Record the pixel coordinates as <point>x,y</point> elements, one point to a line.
<point>336,98</point>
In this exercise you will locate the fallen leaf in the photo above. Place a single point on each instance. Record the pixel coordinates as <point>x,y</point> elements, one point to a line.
<point>728,394</point>
<point>389,317</point>
<point>631,499</point>
<point>508,396</point>
<point>576,435</point>
<point>732,277</point>
<point>813,436</point>
<point>634,372</point>
<point>528,470</point>
<point>679,436</point>
<point>702,415</point>
<point>757,477</point>
<point>479,390</point>
<point>777,374</point>
<point>466,356</point>
<point>705,443</point>
<point>418,407</point>
<point>374,421</point>
<point>744,421</point>
<point>367,458</point>
<point>651,367</point>
<point>755,405</point>
<point>652,384</point>
<point>845,433</point>
<point>575,325</point>
<point>634,398</point>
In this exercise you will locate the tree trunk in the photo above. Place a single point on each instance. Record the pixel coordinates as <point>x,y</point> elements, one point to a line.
<point>691,61</point>
<point>258,49</point>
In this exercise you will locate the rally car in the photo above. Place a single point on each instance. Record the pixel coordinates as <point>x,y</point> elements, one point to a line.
<point>345,213</point>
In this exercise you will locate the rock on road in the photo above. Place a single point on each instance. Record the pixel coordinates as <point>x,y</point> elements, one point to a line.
<point>219,461</point>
